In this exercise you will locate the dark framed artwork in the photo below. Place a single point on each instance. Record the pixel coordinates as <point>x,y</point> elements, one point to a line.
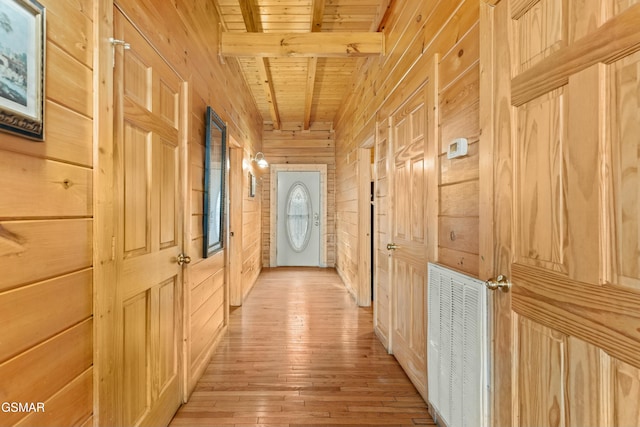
<point>214,183</point>
<point>22,59</point>
<point>252,185</point>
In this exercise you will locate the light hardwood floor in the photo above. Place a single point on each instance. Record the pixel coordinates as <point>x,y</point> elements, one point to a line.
<point>299,352</point>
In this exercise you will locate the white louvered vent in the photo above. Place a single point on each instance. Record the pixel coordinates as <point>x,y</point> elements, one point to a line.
<point>458,368</point>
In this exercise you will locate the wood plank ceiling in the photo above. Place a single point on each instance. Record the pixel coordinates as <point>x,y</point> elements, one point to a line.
<point>302,87</point>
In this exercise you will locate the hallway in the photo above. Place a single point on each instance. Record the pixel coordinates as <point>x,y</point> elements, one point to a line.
<point>299,352</point>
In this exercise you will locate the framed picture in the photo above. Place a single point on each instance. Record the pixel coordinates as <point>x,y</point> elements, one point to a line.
<point>214,174</point>
<point>252,185</point>
<point>22,59</point>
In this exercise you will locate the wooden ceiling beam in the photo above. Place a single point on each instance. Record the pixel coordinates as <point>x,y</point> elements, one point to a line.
<point>316,26</point>
<point>318,15</point>
<point>251,17</point>
<point>326,45</point>
<point>311,84</point>
<point>269,92</point>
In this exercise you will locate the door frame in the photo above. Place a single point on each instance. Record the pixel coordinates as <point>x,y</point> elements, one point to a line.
<point>273,214</point>
<point>364,222</point>
<point>235,218</point>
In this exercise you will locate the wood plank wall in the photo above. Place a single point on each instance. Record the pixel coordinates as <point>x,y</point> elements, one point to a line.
<point>46,223</point>
<point>300,147</point>
<point>186,34</point>
<point>415,32</point>
<point>251,226</point>
<point>46,207</point>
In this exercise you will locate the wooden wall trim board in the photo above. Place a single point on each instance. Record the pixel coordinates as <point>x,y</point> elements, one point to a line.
<point>104,386</point>
<point>495,167</point>
<point>493,259</point>
<point>364,227</point>
<point>234,265</point>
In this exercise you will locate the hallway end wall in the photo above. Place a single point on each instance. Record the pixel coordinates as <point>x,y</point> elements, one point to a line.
<point>295,146</point>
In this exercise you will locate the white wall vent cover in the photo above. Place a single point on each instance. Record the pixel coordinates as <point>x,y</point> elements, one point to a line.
<point>457,348</point>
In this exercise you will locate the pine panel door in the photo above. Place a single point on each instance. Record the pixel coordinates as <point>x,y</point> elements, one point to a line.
<point>566,120</point>
<point>411,161</point>
<point>148,140</point>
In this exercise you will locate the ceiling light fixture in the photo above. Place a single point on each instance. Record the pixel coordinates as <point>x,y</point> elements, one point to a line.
<point>260,160</point>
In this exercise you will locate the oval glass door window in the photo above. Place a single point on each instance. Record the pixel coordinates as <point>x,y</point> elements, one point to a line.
<point>298,217</point>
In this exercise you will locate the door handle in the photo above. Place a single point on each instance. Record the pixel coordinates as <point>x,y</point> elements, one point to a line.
<point>183,259</point>
<point>501,282</point>
<point>392,246</point>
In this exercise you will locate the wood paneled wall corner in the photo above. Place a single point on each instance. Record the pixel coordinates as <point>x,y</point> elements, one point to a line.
<point>415,32</point>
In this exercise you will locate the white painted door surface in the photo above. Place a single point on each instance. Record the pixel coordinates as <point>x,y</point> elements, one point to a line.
<point>298,226</point>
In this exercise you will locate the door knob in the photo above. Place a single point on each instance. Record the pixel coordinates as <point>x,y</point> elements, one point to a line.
<point>501,282</point>
<point>392,246</point>
<point>183,259</point>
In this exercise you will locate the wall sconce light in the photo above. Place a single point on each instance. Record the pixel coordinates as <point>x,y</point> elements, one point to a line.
<point>260,160</point>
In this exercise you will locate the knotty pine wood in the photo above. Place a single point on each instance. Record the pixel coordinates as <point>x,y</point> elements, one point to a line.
<point>287,88</point>
<point>412,37</point>
<point>46,222</point>
<point>299,352</point>
<point>562,354</point>
<point>183,35</point>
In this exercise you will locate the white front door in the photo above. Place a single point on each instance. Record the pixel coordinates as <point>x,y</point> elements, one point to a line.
<point>298,226</point>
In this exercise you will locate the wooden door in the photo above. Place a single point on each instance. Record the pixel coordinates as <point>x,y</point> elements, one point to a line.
<point>382,195</point>
<point>410,150</point>
<point>565,126</point>
<point>148,140</point>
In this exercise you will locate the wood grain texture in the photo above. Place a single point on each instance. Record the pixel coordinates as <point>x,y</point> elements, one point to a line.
<point>43,310</point>
<point>602,315</point>
<point>540,31</point>
<point>413,146</point>
<point>46,234</point>
<point>325,44</point>
<point>496,208</point>
<point>289,359</point>
<point>625,81</point>
<point>598,46</point>
<point>626,380</point>
<point>540,370</point>
<point>541,209</point>
<point>71,406</point>
<point>42,371</point>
